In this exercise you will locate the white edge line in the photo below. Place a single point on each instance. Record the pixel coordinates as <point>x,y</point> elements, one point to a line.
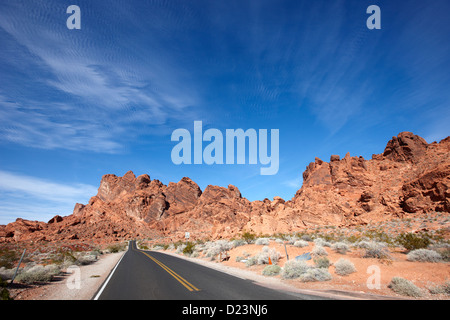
<point>109,277</point>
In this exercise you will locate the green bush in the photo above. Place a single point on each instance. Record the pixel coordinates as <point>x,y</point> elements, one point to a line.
<point>271,270</point>
<point>412,241</point>
<point>248,237</point>
<point>8,257</point>
<point>189,248</point>
<point>114,248</point>
<point>379,236</point>
<point>4,293</point>
<point>322,262</point>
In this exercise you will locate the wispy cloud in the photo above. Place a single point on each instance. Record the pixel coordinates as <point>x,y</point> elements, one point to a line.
<point>100,94</point>
<point>35,198</point>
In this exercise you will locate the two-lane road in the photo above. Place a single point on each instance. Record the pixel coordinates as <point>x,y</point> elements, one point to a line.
<point>149,275</point>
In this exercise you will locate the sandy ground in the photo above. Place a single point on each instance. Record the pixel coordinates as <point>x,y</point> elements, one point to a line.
<point>80,284</point>
<point>422,274</point>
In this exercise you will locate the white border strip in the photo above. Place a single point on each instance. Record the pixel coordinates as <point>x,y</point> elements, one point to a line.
<point>109,277</point>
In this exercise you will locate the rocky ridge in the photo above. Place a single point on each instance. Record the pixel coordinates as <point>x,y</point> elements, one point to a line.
<point>409,177</point>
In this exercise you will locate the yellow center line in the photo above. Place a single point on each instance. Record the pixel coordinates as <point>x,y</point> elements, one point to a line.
<point>179,278</point>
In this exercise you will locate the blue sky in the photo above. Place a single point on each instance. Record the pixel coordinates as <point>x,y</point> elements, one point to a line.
<point>78,104</point>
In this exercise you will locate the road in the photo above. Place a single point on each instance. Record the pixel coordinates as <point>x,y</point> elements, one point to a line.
<point>150,275</point>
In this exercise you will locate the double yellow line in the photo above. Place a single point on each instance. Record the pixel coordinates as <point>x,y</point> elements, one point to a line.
<point>179,278</point>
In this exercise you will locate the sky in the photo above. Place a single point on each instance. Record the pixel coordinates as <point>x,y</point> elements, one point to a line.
<point>76,104</point>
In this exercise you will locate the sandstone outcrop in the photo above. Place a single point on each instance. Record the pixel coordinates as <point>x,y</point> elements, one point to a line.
<point>409,177</point>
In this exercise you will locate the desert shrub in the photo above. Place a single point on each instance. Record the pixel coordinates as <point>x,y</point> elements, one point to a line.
<point>319,251</point>
<point>63,257</point>
<point>424,255</point>
<point>319,242</point>
<point>85,259</point>
<point>404,287</point>
<point>189,248</point>
<point>412,241</point>
<point>262,241</point>
<point>301,243</point>
<point>441,289</point>
<point>180,248</point>
<point>362,244</point>
<point>315,274</point>
<point>290,239</point>
<point>353,238</point>
<point>238,243</point>
<point>38,273</point>
<point>212,249</point>
<point>114,248</point>
<point>344,267</point>
<point>6,274</point>
<point>340,247</point>
<point>322,262</point>
<point>376,250</point>
<point>271,270</point>
<point>263,256</point>
<point>97,252</point>
<point>445,254</point>
<point>8,257</point>
<point>293,269</point>
<point>379,236</point>
<point>248,237</point>
<point>4,293</point>
<point>251,261</point>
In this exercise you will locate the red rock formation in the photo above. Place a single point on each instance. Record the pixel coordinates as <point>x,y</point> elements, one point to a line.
<point>406,147</point>
<point>410,176</point>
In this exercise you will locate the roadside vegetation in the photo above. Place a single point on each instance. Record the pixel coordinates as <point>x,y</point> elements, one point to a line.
<point>333,251</point>
<point>45,262</point>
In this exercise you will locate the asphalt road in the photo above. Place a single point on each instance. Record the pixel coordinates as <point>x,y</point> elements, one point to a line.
<point>149,275</point>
